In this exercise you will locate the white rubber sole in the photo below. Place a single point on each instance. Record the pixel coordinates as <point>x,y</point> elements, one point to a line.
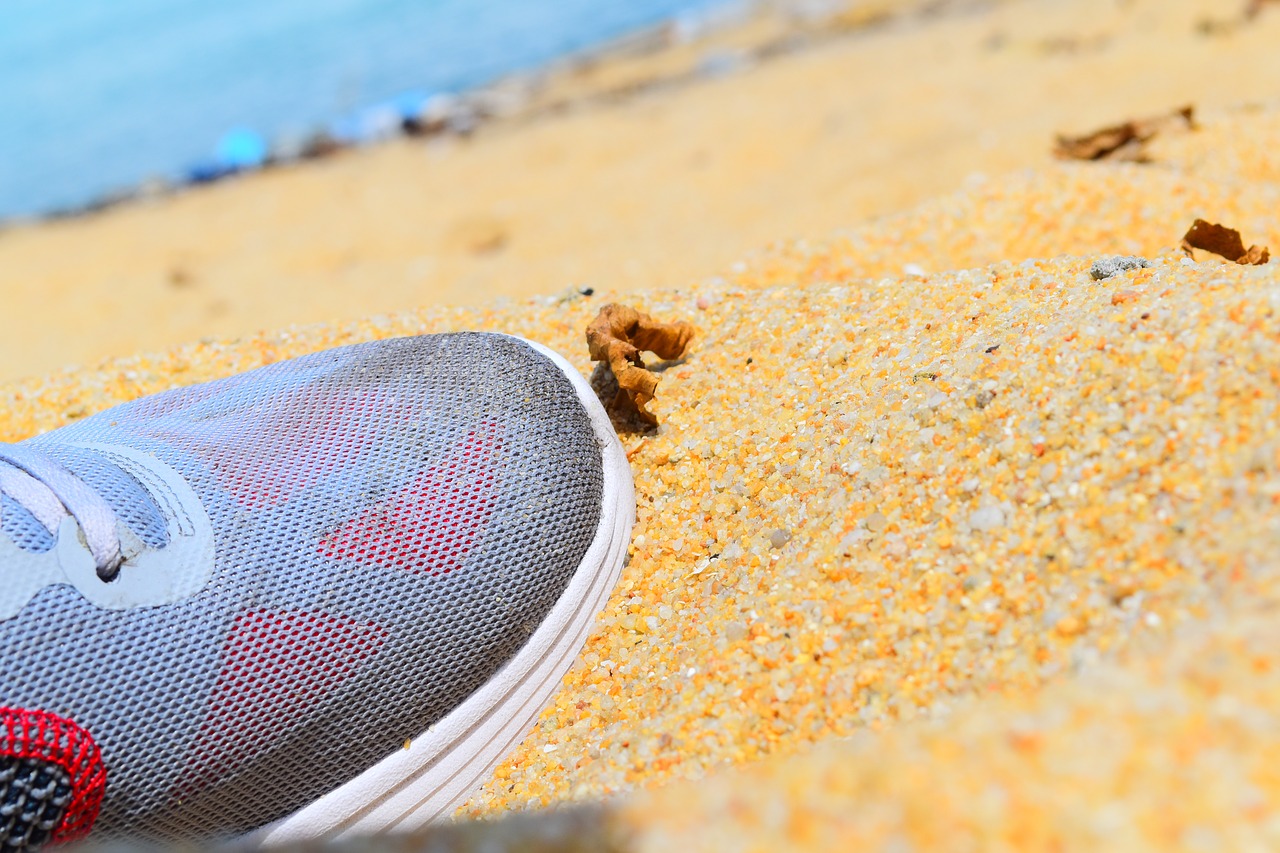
<point>445,764</point>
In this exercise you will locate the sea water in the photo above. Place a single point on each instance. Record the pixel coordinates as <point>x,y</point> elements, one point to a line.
<point>101,95</point>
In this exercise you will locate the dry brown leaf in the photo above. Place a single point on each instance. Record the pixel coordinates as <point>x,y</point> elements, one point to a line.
<point>1122,142</point>
<point>617,336</point>
<point>1223,242</point>
<point>1256,256</point>
<point>1254,8</point>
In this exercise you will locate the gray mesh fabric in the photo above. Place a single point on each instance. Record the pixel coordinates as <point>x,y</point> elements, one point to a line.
<point>19,525</point>
<point>392,521</point>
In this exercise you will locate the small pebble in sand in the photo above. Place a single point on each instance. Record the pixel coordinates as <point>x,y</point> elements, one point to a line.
<point>779,537</point>
<point>987,518</point>
<point>1116,264</point>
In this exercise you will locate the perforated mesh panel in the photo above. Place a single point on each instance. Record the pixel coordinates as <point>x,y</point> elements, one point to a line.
<point>393,520</point>
<point>20,526</point>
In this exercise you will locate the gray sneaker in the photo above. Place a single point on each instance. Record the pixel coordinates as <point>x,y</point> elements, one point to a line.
<point>321,598</point>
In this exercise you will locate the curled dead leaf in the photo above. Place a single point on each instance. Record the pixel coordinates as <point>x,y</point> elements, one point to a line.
<point>1254,8</point>
<point>1223,242</point>
<point>1123,142</point>
<point>617,336</point>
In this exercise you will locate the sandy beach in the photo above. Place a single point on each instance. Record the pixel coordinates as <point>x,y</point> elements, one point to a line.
<point>942,543</point>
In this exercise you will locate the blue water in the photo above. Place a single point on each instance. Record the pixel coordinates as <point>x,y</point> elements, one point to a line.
<point>99,95</point>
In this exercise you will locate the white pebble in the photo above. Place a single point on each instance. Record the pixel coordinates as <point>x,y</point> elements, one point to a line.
<point>852,540</point>
<point>987,518</point>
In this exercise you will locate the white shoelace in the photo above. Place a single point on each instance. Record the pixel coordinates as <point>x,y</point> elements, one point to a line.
<point>47,490</point>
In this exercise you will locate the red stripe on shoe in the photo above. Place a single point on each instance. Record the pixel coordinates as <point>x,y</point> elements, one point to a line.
<point>47,737</point>
<point>433,522</point>
<point>277,666</point>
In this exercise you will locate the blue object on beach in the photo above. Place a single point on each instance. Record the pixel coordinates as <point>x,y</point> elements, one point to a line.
<point>241,149</point>
<point>207,172</point>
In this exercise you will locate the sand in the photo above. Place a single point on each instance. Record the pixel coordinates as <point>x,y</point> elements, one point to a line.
<point>941,544</point>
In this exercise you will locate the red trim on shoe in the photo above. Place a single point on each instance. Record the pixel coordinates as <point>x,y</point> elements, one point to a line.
<point>57,740</point>
<point>277,666</point>
<point>433,522</point>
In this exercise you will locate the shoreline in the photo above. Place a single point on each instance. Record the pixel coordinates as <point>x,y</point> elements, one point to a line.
<point>664,185</point>
<point>758,30</point>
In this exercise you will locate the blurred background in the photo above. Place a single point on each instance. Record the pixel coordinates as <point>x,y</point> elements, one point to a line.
<point>175,171</point>
<point>100,98</point>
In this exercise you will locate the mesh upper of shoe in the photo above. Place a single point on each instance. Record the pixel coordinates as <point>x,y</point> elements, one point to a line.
<point>19,525</point>
<point>392,521</point>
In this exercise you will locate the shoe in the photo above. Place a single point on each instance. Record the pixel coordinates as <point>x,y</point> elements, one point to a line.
<point>321,598</point>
